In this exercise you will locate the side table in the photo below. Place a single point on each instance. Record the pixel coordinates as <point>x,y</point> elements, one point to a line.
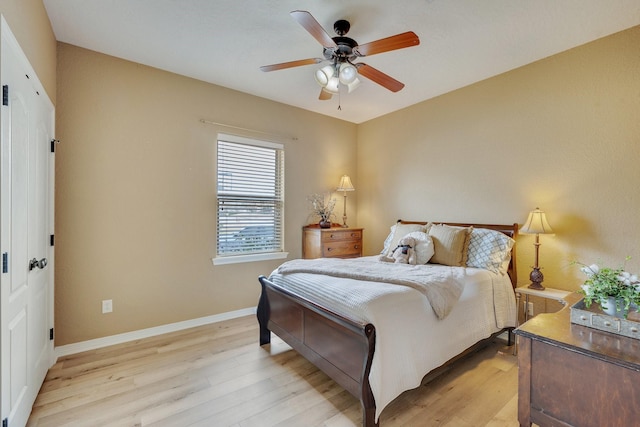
<point>548,293</point>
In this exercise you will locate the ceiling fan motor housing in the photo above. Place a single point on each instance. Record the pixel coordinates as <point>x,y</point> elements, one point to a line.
<point>344,51</point>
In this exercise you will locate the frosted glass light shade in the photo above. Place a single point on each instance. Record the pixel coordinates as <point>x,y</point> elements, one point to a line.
<point>353,85</point>
<point>332,85</point>
<point>348,73</point>
<point>324,74</point>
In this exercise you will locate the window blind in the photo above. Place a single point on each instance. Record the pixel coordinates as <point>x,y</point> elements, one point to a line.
<point>250,189</point>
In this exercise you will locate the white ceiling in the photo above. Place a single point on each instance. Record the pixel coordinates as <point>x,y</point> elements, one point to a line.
<point>224,42</point>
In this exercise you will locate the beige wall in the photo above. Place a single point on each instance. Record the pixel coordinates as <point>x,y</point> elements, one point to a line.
<point>562,134</point>
<point>135,192</point>
<point>30,25</point>
<point>135,177</point>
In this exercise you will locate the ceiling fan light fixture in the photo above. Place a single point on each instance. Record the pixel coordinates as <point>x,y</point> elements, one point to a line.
<point>332,85</point>
<point>340,51</point>
<point>324,74</point>
<point>348,73</point>
<point>353,85</point>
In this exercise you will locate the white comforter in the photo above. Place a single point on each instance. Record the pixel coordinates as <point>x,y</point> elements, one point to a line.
<point>441,286</point>
<point>410,339</point>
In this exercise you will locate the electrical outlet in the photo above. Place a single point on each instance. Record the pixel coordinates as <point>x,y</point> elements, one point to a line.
<point>107,306</point>
<point>531,309</point>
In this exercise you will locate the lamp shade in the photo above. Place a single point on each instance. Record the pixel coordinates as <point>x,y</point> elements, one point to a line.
<point>345,184</point>
<point>536,223</point>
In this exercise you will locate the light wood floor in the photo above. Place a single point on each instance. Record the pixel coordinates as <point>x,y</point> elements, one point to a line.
<point>218,375</point>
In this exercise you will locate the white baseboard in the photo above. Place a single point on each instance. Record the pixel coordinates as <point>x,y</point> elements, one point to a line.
<point>79,347</point>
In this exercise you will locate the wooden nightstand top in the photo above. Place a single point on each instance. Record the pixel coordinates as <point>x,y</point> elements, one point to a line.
<point>334,226</point>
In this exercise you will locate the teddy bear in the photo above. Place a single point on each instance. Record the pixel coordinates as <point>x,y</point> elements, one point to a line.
<point>404,253</point>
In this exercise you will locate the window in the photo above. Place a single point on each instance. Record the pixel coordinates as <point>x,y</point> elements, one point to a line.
<point>250,193</point>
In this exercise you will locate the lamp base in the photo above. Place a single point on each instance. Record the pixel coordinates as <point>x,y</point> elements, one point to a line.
<point>536,278</point>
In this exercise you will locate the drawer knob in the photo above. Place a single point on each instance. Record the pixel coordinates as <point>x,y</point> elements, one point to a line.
<point>356,247</point>
<point>329,249</point>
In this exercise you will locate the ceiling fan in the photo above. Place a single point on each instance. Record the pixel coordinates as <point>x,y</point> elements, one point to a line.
<point>341,52</point>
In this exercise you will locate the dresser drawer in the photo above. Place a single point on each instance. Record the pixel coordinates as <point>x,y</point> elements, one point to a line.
<point>343,249</point>
<point>335,242</point>
<point>335,235</point>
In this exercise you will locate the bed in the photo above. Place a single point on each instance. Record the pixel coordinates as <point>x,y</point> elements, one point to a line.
<point>358,344</point>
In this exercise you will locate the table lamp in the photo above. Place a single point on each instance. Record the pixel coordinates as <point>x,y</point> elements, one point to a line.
<point>345,185</point>
<point>536,224</point>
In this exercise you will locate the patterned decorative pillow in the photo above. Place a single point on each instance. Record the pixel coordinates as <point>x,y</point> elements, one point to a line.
<point>424,246</point>
<point>450,244</point>
<point>489,249</point>
<point>398,231</point>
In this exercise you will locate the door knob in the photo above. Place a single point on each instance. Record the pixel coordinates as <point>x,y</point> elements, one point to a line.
<point>35,263</point>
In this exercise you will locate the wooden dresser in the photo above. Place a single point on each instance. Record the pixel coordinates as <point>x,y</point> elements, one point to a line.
<point>572,375</point>
<point>334,242</point>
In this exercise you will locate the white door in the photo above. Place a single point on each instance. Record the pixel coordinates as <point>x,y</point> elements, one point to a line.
<point>26,281</point>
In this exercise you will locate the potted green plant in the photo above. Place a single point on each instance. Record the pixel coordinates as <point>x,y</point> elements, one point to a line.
<point>614,289</point>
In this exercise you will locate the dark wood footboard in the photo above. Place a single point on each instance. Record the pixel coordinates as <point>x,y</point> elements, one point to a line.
<point>341,348</point>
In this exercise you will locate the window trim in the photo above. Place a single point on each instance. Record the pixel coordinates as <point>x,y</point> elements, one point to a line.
<point>236,259</point>
<point>249,257</point>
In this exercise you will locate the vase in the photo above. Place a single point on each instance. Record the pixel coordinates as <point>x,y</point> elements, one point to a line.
<point>324,223</point>
<point>608,306</point>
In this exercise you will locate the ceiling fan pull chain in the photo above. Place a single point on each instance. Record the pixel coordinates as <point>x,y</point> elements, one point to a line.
<point>339,101</point>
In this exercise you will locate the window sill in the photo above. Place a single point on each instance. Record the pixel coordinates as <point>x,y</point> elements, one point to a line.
<point>249,258</point>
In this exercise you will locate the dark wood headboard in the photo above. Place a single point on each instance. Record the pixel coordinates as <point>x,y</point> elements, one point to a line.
<point>510,230</point>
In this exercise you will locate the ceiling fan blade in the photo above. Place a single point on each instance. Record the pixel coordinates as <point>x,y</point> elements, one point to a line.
<point>399,41</point>
<point>310,24</point>
<point>298,63</point>
<point>379,77</point>
<point>324,95</point>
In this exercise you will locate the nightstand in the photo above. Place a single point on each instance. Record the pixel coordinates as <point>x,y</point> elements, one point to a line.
<point>334,242</point>
<point>548,293</point>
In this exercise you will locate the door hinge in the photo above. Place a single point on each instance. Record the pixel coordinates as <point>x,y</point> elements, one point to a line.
<point>5,262</point>
<point>5,422</point>
<point>53,145</point>
<point>52,240</point>
<point>5,94</point>
<point>51,334</point>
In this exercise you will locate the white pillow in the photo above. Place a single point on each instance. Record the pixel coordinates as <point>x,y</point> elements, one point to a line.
<point>424,246</point>
<point>398,231</point>
<point>489,249</point>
